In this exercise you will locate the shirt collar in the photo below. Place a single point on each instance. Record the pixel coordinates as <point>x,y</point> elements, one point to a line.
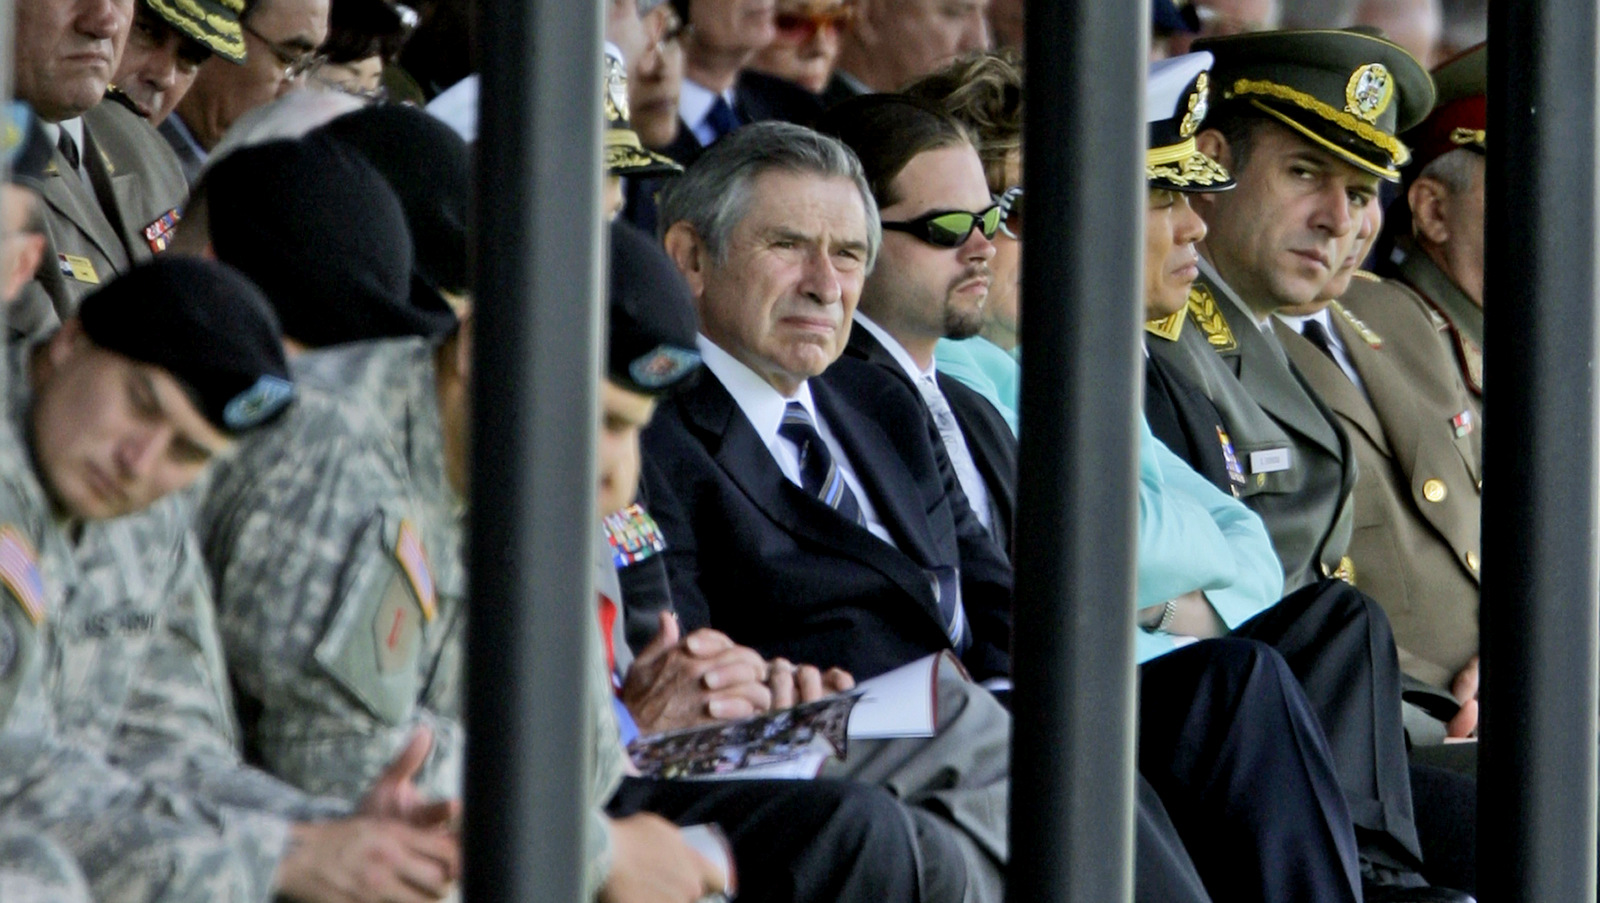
<point>1298,322</point>
<point>694,102</point>
<point>896,350</point>
<point>762,405</point>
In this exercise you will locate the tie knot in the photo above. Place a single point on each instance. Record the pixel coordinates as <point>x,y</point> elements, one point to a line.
<point>796,415</point>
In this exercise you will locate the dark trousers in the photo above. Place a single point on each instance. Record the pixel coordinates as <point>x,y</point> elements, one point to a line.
<point>1232,747</point>
<point>819,840</point>
<point>1339,644</point>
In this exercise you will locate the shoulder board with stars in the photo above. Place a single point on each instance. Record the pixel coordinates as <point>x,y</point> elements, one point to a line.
<point>1362,329</point>
<point>1203,308</point>
<point>634,535</point>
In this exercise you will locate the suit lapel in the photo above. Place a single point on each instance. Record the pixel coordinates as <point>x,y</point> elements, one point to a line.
<point>1268,379</point>
<point>1331,382</point>
<point>745,458</point>
<point>1392,403</point>
<point>893,493</point>
<point>71,198</point>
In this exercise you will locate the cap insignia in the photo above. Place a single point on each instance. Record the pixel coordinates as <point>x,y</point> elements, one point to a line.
<point>1369,92</point>
<point>1203,307</point>
<point>258,403</point>
<point>663,366</point>
<point>1199,105</point>
<point>616,95</point>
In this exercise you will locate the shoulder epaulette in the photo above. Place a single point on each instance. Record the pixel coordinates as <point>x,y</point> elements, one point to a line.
<point>1203,308</point>
<point>1362,329</point>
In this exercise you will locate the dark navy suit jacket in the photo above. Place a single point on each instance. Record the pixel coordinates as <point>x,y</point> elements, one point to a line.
<point>753,555</point>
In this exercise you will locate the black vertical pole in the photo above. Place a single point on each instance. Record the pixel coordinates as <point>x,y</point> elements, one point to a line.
<point>1073,750</point>
<point>537,337</point>
<point>1537,767</point>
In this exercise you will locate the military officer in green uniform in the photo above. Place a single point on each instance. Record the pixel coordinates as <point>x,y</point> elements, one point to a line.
<point>113,190</point>
<point>1306,123</point>
<point>1438,243</point>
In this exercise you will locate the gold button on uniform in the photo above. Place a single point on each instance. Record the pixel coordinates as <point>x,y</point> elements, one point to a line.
<point>1434,490</point>
<point>1472,562</point>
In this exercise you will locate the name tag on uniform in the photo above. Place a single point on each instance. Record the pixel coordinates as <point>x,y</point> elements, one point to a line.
<point>79,268</point>
<point>1269,460</point>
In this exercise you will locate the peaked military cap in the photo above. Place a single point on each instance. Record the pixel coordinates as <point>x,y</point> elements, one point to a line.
<point>1460,114</point>
<point>626,155</point>
<point>1347,92</point>
<point>213,24</point>
<point>1175,101</point>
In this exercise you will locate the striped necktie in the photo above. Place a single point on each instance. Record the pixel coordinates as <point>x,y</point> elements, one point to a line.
<point>819,475</point>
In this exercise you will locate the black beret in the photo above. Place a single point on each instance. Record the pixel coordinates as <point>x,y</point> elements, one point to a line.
<point>652,347</point>
<point>320,231</point>
<point>429,167</point>
<point>204,323</point>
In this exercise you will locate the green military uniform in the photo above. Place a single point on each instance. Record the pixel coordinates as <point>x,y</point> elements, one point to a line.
<point>1459,319</point>
<point>1416,539</point>
<point>94,233</point>
<point>336,545</point>
<point>1298,466</point>
<point>1458,122</point>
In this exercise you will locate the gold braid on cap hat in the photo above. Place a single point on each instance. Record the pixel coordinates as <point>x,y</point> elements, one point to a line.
<point>1362,129</point>
<point>228,37</point>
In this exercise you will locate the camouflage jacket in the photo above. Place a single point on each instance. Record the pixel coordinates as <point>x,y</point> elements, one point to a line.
<point>336,545</point>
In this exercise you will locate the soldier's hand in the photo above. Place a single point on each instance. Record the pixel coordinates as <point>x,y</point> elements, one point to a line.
<point>795,684</point>
<point>676,683</point>
<point>367,860</point>
<point>652,863</point>
<point>1465,689</point>
<point>395,794</point>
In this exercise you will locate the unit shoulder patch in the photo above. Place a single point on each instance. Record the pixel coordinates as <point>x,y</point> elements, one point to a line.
<point>414,562</point>
<point>1203,308</point>
<point>1361,328</point>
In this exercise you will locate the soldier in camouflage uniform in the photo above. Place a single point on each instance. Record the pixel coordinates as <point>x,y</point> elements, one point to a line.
<point>136,677</point>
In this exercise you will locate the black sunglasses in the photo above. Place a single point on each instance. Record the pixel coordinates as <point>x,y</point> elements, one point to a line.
<point>950,228</point>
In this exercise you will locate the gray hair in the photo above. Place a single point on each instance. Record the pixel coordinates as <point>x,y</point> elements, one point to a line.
<point>713,196</point>
<point>1454,170</point>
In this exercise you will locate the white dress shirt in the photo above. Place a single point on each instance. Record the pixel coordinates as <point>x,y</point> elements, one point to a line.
<point>1341,355</point>
<point>763,407</point>
<point>955,444</point>
<point>694,105</point>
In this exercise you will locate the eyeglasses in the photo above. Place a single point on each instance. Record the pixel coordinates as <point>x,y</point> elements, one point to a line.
<point>295,62</point>
<point>1011,220</point>
<point>950,228</point>
<point>799,28</point>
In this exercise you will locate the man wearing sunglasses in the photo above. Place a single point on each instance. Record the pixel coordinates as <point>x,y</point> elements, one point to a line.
<point>281,38</point>
<point>932,279</point>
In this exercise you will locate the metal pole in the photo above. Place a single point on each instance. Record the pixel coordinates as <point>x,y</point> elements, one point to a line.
<point>1537,771</point>
<point>1073,750</point>
<point>537,336</point>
